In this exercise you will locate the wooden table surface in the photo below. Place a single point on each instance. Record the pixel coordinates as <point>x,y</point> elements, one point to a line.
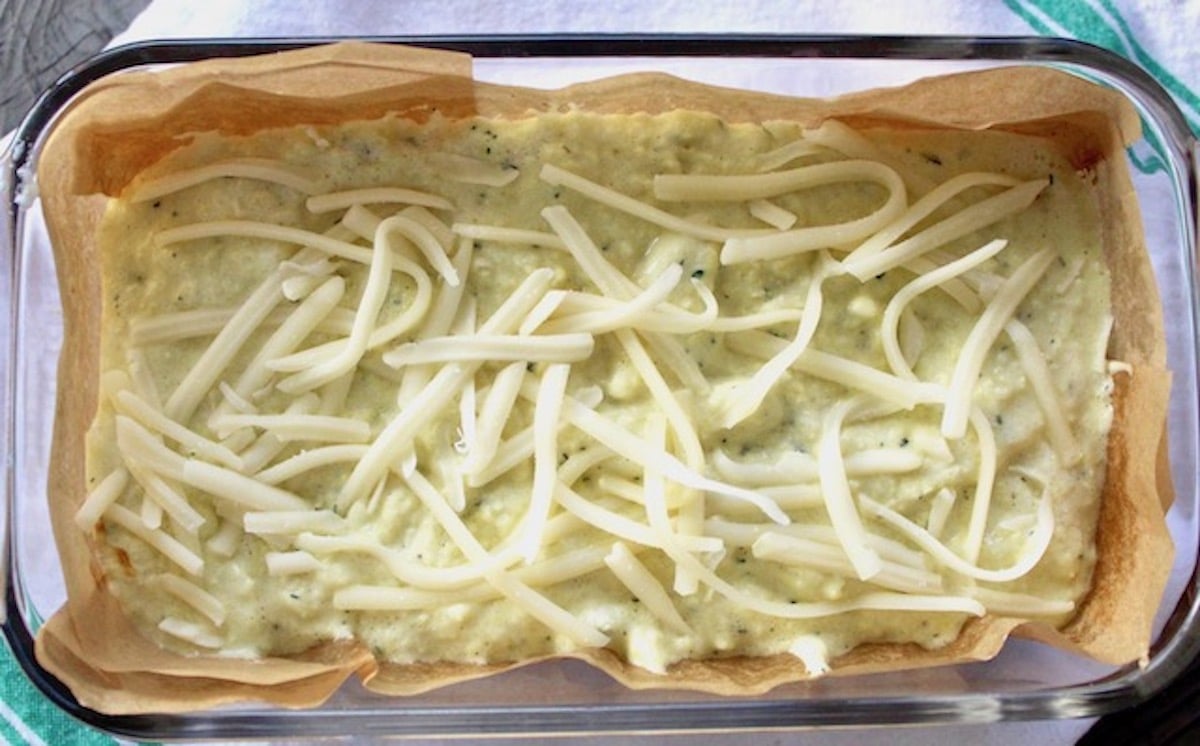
<point>42,40</point>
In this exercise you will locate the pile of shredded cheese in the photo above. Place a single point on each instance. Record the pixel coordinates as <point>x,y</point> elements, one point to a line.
<point>485,390</point>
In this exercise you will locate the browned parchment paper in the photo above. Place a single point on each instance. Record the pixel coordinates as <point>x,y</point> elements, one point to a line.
<point>125,123</point>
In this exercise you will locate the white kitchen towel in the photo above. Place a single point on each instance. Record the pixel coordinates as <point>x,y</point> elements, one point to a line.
<point>1153,33</point>
<point>1157,34</point>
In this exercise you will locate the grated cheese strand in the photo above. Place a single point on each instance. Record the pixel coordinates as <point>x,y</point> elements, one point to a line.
<point>981,337</point>
<point>226,540</point>
<point>204,322</point>
<point>1034,549</point>
<point>438,321</point>
<point>194,596</point>
<point>839,502</point>
<point>234,401</point>
<point>654,496</point>
<point>292,427</point>
<point>107,492</point>
<point>891,314</point>
<point>331,201</point>
<point>191,632</point>
<point>468,170</point>
<point>568,566</point>
<point>749,395</point>
<point>203,376</point>
<point>467,407</point>
<point>291,522</point>
<point>785,154</point>
<point>432,223</point>
<point>142,378</point>
<point>298,286</point>
<point>985,480</point>
<point>939,512</point>
<point>166,545</point>
<point>578,463</point>
<point>625,565</point>
<point>746,187</point>
<point>296,562</point>
<point>386,332</point>
<point>979,215</point>
<point>267,446</point>
<point>618,315</point>
<point>167,498</point>
<point>151,509</point>
<point>532,602</point>
<point>592,313</point>
<point>262,169</point>
<point>519,448</point>
<point>955,288</point>
<point>360,222</point>
<point>616,285</point>
<point>554,348</point>
<point>666,401</point>
<point>365,316</point>
<point>1037,372</point>
<point>135,442</point>
<point>787,243</point>
<point>843,139</point>
<point>309,460</point>
<point>883,601</point>
<point>290,335</point>
<point>556,176</point>
<point>636,449</point>
<point>129,403</point>
<point>546,415</point>
<point>630,489</point>
<point>398,564</point>
<point>500,234</point>
<point>426,243</point>
<point>745,534</point>
<point>623,527</point>
<point>772,214</point>
<point>1021,604</point>
<point>493,414</point>
<point>598,269</point>
<point>266,231</point>
<point>237,488</point>
<point>394,439</point>
<point>924,207</point>
<point>798,552</point>
<point>792,466</point>
<point>691,517</point>
<point>850,373</point>
<point>796,466</point>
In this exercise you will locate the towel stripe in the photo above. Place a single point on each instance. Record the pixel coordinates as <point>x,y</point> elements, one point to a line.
<point>1104,26</point>
<point>26,717</point>
<point>24,731</point>
<point>1100,22</point>
<point>1188,99</point>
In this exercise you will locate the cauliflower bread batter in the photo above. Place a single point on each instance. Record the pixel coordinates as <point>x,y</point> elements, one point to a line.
<point>371,370</point>
<point>484,391</point>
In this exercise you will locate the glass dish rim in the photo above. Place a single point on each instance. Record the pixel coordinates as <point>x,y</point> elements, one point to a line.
<point>1126,687</point>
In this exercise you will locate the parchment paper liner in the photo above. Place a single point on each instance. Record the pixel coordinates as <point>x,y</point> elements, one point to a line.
<point>126,122</point>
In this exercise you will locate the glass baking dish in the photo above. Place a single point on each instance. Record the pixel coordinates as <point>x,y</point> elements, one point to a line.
<point>1027,681</point>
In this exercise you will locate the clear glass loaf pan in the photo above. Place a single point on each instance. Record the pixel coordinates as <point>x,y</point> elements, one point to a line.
<point>1027,681</point>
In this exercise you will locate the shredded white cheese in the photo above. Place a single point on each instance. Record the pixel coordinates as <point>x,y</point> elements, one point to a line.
<point>618,413</point>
